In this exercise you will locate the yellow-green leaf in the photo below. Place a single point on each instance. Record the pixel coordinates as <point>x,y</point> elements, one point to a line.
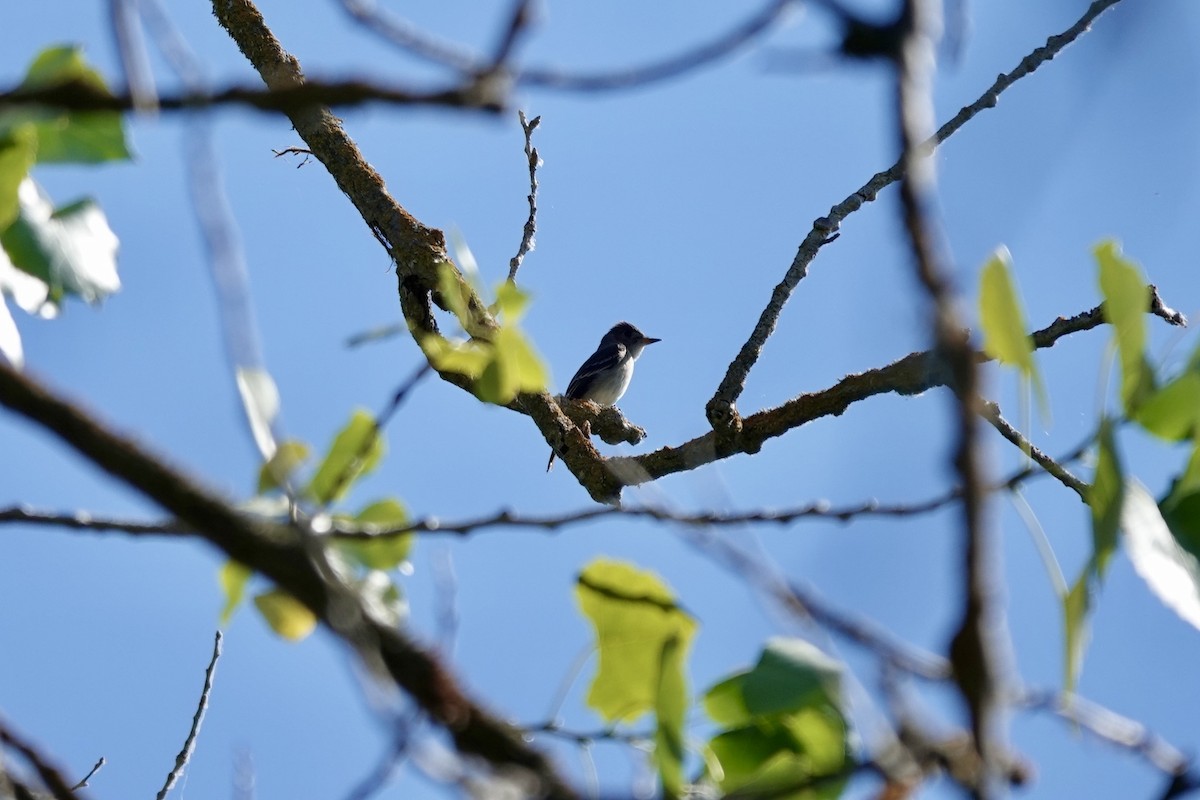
<point>1076,604</point>
<point>455,292</point>
<point>670,709</point>
<point>514,368</point>
<point>1105,496</point>
<point>355,451</point>
<point>467,358</point>
<point>289,457</point>
<point>69,136</point>
<point>1172,412</point>
<point>18,151</point>
<point>511,302</point>
<point>233,578</point>
<point>285,614</point>
<point>382,552</point>
<point>1000,315</point>
<point>1126,300</point>
<point>635,616</point>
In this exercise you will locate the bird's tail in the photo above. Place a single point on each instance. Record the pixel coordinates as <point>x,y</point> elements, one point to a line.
<point>550,463</point>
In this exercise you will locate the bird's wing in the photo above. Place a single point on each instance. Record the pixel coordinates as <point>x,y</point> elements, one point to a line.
<point>606,357</point>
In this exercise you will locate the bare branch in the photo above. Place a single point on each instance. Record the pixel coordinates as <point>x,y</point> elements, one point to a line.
<point>189,744</point>
<point>284,555</point>
<point>913,374</point>
<point>79,96</point>
<point>991,412</point>
<point>51,775</point>
<point>721,409</point>
<point>530,230</point>
<point>100,762</point>
<point>670,67</point>
<point>976,646</point>
<point>132,52</point>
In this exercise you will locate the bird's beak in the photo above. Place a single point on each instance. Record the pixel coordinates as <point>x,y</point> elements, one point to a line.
<point>648,340</point>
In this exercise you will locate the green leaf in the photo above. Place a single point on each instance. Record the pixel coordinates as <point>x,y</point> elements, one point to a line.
<point>1000,315</point>
<point>468,358</point>
<point>1170,570</point>
<point>670,708</point>
<point>233,578</point>
<point>791,675</point>
<point>285,614</point>
<point>1105,496</point>
<point>514,368</point>
<point>383,552</point>
<point>1003,322</point>
<point>1126,301</point>
<point>72,249</point>
<point>724,703</point>
<point>288,458</point>
<point>68,136</point>
<point>18,151</point>
<point>1173,411</point>
<point>354,453</point>
<point>635,617</point>
<point>455,292</point>
<point>784,725</point>
<point>511,302</point>
<point>1076,605</point>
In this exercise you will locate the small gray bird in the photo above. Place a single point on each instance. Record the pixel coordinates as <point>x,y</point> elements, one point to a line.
<point>605,376</point>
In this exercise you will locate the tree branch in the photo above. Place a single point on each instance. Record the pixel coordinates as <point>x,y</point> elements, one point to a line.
<point>722,409</point>
<point>292,559</point>
<point>189,743</point>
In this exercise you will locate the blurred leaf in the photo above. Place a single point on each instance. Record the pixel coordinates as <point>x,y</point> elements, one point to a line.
<point>1076,604</point>
<point>455,292</point>
<point>290,456</point>
<point>511,302</point>
<point>1171,572</point>
<point>233,578</point>
<point>724,703</point>
<point>670,709</point>
<point>1126,301</point>
<point>635,617</point>
<point>71,249</point>
<point>791,674</point>
<point>11,351</point>
<point>784,728</point>
<point>260,401</point>
<point>285,614</point>
<point>1003,322</point>
<point>384,552</point>
<point>1105,496</point>
<point>18,151</point>
<point>468,358</point>
<point>382,597</point>
<point>355,452</point>
<point>1172,412</point>
<point>514,368</point>
<point>68,136</point>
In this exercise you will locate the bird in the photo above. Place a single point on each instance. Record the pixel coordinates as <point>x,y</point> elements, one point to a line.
<point>605,375</point>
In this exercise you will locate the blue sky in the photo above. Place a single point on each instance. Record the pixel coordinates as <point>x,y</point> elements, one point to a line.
<point>677,207</point>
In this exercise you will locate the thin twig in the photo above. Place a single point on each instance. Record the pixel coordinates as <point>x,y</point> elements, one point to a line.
<point>670,67</point>
<point>530,230</point>
<point>721,409</point>
<point>100,762</point>
<point>51,775</point>
<point>131,50</point>
<point>284,556</point>
<point>391,761</point>
<point>991,412</point>
<point>189,744</point>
